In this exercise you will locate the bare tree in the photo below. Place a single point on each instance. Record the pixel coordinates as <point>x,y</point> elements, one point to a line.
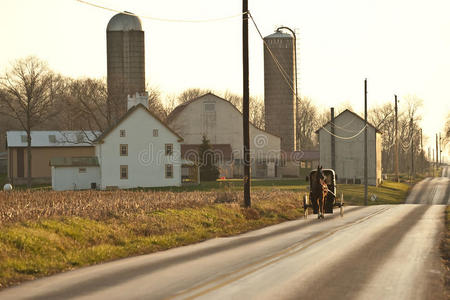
<point>190,94</point>
<point>28,97</point>
<point>256,108</point>
<point>308,121</point>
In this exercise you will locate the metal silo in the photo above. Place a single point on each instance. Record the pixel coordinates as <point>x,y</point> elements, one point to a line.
<point>125,62</point>
<point>279,87</point>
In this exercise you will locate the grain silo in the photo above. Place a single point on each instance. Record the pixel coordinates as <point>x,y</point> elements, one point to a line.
<point>125,61</point>
<point>279,87</point>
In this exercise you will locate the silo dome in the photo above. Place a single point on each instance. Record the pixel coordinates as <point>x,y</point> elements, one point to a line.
<point>279,35</point>
<point>124,22</point>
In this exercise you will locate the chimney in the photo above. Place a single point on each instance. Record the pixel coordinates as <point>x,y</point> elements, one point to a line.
<point>138,98</point>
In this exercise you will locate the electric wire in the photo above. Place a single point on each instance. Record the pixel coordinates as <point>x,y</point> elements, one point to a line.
<point>345,137</point>
<point>161,19</point>
<point>287,80</point>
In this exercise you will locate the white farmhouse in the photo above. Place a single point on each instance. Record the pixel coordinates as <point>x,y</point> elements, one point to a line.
<point>138,151</point>
<point>349,149</point>
<point>221,122</point>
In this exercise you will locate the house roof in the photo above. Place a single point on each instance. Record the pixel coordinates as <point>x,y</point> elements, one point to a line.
<point>187,150</point>
<point>54,138</point>
<point>356,115</point>
<point>82,161</point>
<point>182,106</point>
<point>129,113</point>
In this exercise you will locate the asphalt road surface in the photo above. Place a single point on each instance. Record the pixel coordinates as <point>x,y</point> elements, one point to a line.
<point>375,252</point>
<point>432,190</point>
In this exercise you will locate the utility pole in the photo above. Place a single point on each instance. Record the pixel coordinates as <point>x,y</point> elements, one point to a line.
<point>411,136</point>
<point>437,153</point>
<point>333,141</point>
<point>440,150</point>
<point>365,142</point>
<point>245,104</point>
<point>396,140</point>
<point>422,153</point>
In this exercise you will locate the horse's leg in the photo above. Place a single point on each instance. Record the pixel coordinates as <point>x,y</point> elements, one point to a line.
<point>318,207</point>
<point>322,207</point>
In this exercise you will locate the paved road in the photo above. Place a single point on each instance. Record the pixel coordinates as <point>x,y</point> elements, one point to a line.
<point>432,190</point>
<point>375,252</point>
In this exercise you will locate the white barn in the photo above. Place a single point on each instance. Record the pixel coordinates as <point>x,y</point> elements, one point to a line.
<point>349,149</point>
<point>221,122</point>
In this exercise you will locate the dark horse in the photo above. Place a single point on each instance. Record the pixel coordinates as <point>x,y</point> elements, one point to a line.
<point>319,191</point>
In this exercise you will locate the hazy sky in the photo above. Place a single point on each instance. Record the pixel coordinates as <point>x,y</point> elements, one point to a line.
<point>401,46</point>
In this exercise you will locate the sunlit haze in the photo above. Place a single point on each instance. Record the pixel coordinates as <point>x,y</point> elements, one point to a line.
<point>401,46</point>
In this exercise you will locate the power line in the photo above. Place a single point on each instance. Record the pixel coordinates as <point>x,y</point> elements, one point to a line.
<point>345,137</point>
<point>161,19</point>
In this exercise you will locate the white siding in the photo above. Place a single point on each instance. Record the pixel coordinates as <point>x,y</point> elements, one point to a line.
<point>146,158</point>
<point>69,178</point>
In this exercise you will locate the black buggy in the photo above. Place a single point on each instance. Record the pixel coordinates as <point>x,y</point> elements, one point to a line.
<point>331,198</point>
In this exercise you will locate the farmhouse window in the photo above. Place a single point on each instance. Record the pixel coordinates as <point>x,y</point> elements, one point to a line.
<point>123,133</point>
<point>302,164</point>
<point>169,149</point>
<point>81,170</point>
<point>155,132</point>
<point>123,149</point>
<point>169,171</point>
<point>124,172</point>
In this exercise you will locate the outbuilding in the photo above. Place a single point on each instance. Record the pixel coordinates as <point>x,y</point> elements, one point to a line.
<point>347,133</point>
<point>75,173</point>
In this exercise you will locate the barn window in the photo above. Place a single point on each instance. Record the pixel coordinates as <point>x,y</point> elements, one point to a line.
<point>122,133</point>
<point>123,149</point>
<point>124,172</point>
<point>52,138</point>
<point>169,171</point>
<point>210,107</point>
<point>23,138</point>
<point>82,170</point>
<point>169,149</point>
<point>155,132</point>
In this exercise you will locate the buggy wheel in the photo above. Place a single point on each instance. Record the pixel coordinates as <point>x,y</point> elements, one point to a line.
<point>341,204</point>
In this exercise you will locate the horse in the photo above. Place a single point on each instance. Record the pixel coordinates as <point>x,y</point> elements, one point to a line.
<point>319,190</point>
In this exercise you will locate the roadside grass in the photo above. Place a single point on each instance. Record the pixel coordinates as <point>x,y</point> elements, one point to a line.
<point>386,193</point>
<point>35,248</point>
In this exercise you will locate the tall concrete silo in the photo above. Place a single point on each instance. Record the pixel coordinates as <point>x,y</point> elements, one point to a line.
<point>279,87</point>
<point>125,62</point>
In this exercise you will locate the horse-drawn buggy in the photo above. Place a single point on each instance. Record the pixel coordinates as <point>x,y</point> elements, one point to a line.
<point>322,193</point>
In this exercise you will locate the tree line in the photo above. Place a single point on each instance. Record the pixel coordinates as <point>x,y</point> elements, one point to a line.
<point>33,97</point>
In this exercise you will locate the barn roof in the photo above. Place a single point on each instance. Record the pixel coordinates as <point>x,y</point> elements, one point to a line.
<point>55,138</point>
<point>182,106</point>
<point>356,115</point>
<point>82,161</point>
<point>129,113</point>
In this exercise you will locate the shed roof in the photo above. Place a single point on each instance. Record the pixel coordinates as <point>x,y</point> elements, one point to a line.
<point>54,138</point>
<point>356,115</point>
<point>82,161</point>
